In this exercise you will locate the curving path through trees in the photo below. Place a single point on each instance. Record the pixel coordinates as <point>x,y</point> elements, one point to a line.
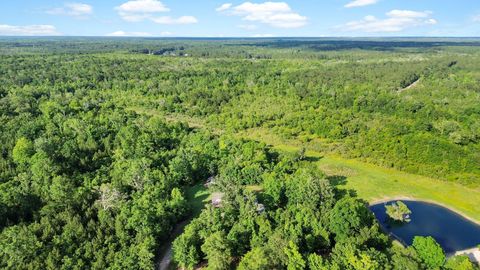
<point>164,261</point>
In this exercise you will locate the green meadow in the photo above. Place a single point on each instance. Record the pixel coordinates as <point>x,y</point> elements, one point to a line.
<point>374,183</point>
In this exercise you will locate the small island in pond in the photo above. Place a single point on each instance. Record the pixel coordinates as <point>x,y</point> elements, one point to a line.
<point>398,211</point>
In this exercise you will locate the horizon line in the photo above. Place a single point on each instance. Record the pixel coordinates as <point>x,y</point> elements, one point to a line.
<point>227,37</point>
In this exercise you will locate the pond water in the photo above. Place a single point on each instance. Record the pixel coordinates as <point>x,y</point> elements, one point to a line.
<point>452,231</point>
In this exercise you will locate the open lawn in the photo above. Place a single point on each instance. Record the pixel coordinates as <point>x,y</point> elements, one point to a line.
<point>374,183</point>
<point>197,197</point>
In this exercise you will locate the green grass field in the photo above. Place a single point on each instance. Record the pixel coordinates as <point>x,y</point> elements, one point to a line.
<point>374,183</point>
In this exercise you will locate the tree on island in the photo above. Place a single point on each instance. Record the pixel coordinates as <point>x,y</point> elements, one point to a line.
<point>398,211</point>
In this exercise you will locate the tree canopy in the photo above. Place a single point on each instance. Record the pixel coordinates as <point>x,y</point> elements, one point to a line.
<point>103,138</point>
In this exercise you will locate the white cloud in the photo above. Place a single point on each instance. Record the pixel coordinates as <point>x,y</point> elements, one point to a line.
<point>166,33</point>
<point>140,10</point>
<point>409,14</point>
<point>179,20</point>
<point>263,35</point>
<point>128,34</point>
<point>276,14</point>
<point>476,18</point>
<point>248,26</point>
<point>28,30</point>
<point>361,3</point>
<point>224,7</point>
<point>72,9</point>
<point>143,6</point>
<point>396,21</point>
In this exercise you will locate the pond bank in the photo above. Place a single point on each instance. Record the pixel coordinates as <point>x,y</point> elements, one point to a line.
<point>473,254</point>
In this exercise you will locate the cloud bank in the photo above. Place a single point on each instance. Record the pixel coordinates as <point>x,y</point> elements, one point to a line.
<point>275,14</point>
<point>28,30</point>
<point>128,34</point>
<point>140,10</point>
<point>396,21</point>
<point>72,9</point>
<point>179,20</point>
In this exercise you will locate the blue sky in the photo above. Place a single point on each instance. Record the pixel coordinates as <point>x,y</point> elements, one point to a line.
<point>224,18</point>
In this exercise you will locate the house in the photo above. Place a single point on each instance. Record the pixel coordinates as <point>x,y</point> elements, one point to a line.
<point>210,181</point>
<point>217,199</point>
<point>260,208</point>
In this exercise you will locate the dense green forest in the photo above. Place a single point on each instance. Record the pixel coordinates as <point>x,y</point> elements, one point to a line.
<point>103,138</point>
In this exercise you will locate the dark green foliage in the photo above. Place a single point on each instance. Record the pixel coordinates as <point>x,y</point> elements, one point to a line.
<point>319,233</point>
<point>95,157</point>
<point>217,251</point>
<point>93,191</point>
<point>186,248</point>
<point>348,217</point>
<point>347,97</point>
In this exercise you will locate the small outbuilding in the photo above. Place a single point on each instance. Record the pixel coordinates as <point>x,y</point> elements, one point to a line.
<point>210,181</point>
<point>260,208</point>
<point>217,199</point>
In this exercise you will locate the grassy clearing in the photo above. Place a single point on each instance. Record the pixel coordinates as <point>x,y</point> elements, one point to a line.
<point>374,183</point>
<point>254,188</point>
<point>371,183</point>
<point>197,196</point>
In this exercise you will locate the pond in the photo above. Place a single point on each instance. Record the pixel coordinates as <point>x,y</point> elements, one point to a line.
<point>452,231</point>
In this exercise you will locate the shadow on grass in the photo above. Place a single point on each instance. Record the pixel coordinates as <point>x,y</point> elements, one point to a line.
<point>339,181</point>
<point>312,158</point>
<point>197,197</point>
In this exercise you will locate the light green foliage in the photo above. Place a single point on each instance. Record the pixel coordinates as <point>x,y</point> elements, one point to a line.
<point>23,151</point>
<point>349,256</point>
<point>186,249</point>
<point>178,202</point>
<point>316,262</point>
<point>295,260</point>
<point>274,187</point>
<point>460,262</point>
<point>429,251</point>
<point>255,259</point>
